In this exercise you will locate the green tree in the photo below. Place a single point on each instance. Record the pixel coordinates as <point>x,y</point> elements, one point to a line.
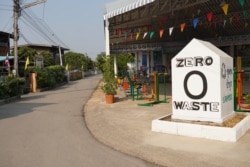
<point>75,60</point>
<point>47,58</point>
<point>122,60</point>
<point>24,52</point>
<point>100,60</point>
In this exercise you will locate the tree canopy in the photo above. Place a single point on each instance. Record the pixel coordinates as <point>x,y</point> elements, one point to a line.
<point>122,60</point>
<point>77,61</point>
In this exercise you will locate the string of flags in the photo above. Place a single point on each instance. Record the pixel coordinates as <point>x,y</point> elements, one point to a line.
<point>149,30</point>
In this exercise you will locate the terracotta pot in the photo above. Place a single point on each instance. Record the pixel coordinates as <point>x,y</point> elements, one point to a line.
<point>109,98</point>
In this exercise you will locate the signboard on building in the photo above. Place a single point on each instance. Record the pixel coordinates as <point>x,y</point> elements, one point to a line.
<point>202,83</point>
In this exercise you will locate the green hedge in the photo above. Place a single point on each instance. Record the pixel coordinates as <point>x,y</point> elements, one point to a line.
<point>50,76</point>
<point>11,87</point>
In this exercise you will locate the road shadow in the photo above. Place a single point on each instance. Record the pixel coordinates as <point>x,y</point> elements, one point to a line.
<point>17,108</point>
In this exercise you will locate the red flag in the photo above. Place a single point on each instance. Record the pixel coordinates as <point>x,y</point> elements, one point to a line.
<point>210,16</point>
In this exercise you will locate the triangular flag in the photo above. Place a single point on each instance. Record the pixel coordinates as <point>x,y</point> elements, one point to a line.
<point>195,22</point>
<point>246,24</point>
<point>131,35</point>
<point>237,17</point>
<point>224,23</point>
<point>27,63</point>
<point>182,26</point>
<point>231,20</point>
<point>161,32</point>
<point>67,67</point>
<point>120,32</point>
<point>145,34</point>
<point>244,13</point>
<point>242,2</point>
<point>225,8</point>
<point>125,35</point>
<point>171,30</point>
<point>152,34</point>
<point>210,16</point>
<point>137,35</point>
<point>198,11</point>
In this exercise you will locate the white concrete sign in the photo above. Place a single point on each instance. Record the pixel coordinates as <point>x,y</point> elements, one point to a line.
<point>202,83</point>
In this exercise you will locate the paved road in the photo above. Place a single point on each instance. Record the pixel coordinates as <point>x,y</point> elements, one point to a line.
<point>47,129</point>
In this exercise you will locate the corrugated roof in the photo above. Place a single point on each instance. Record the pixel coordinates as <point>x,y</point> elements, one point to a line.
<point>121,6</point>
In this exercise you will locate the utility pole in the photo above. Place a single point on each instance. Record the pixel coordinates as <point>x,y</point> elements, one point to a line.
<point>16,13</point>
<point>16,10</point>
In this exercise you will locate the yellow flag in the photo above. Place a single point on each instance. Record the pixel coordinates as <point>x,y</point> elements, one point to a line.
<point>67,67</point>
<point>27,63</point>
<point>225,8</point>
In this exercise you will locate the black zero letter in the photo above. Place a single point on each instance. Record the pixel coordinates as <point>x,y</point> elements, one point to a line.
<point>204,91</point>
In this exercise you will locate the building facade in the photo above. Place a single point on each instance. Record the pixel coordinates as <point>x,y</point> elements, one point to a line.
<point>156,30</point>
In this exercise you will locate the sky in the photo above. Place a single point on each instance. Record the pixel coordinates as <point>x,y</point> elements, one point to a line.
<point>78,24</point>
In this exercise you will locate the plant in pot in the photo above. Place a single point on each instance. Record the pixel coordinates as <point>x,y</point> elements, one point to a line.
<point>109,86</point>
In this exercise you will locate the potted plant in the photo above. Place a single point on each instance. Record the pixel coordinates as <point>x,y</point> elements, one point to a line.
<point>109,86</point>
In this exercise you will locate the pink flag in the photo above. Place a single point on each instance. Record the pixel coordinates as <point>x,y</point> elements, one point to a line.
<point>7,62</point>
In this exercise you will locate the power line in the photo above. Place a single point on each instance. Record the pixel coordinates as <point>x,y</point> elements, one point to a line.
<point>41,27</point>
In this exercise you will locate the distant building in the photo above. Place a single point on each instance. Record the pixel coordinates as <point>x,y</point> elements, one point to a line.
<point>5,43</point>
<point>52,49</point>
<point>4,51</point>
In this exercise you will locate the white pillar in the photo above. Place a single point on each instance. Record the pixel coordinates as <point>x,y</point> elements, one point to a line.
<point>115,65</point>
<point>107,36</point>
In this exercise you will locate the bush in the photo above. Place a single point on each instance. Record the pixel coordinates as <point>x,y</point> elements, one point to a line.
<point>50,76</point>
<point>11,87</point>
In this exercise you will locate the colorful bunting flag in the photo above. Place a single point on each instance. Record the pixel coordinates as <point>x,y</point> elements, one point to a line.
<point>125,35</point>
<point>152,34</point>
<point>137,35</point>
<point>224,23</point>
<point>245,13</point>
<point>237,17</point>
<point>171,30</point>
<point>231,20</point>
<point>198,11</point>
<point>225,8</point>
<point>246,24</point>
<point>161,32</point>
<point>210,16</point>
<point>182,26</point>
<point>242,2</point>
<point>195,22</point>
<point>145,34</point>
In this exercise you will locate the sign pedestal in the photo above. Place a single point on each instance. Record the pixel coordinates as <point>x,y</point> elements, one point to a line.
<point>202,90</point>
